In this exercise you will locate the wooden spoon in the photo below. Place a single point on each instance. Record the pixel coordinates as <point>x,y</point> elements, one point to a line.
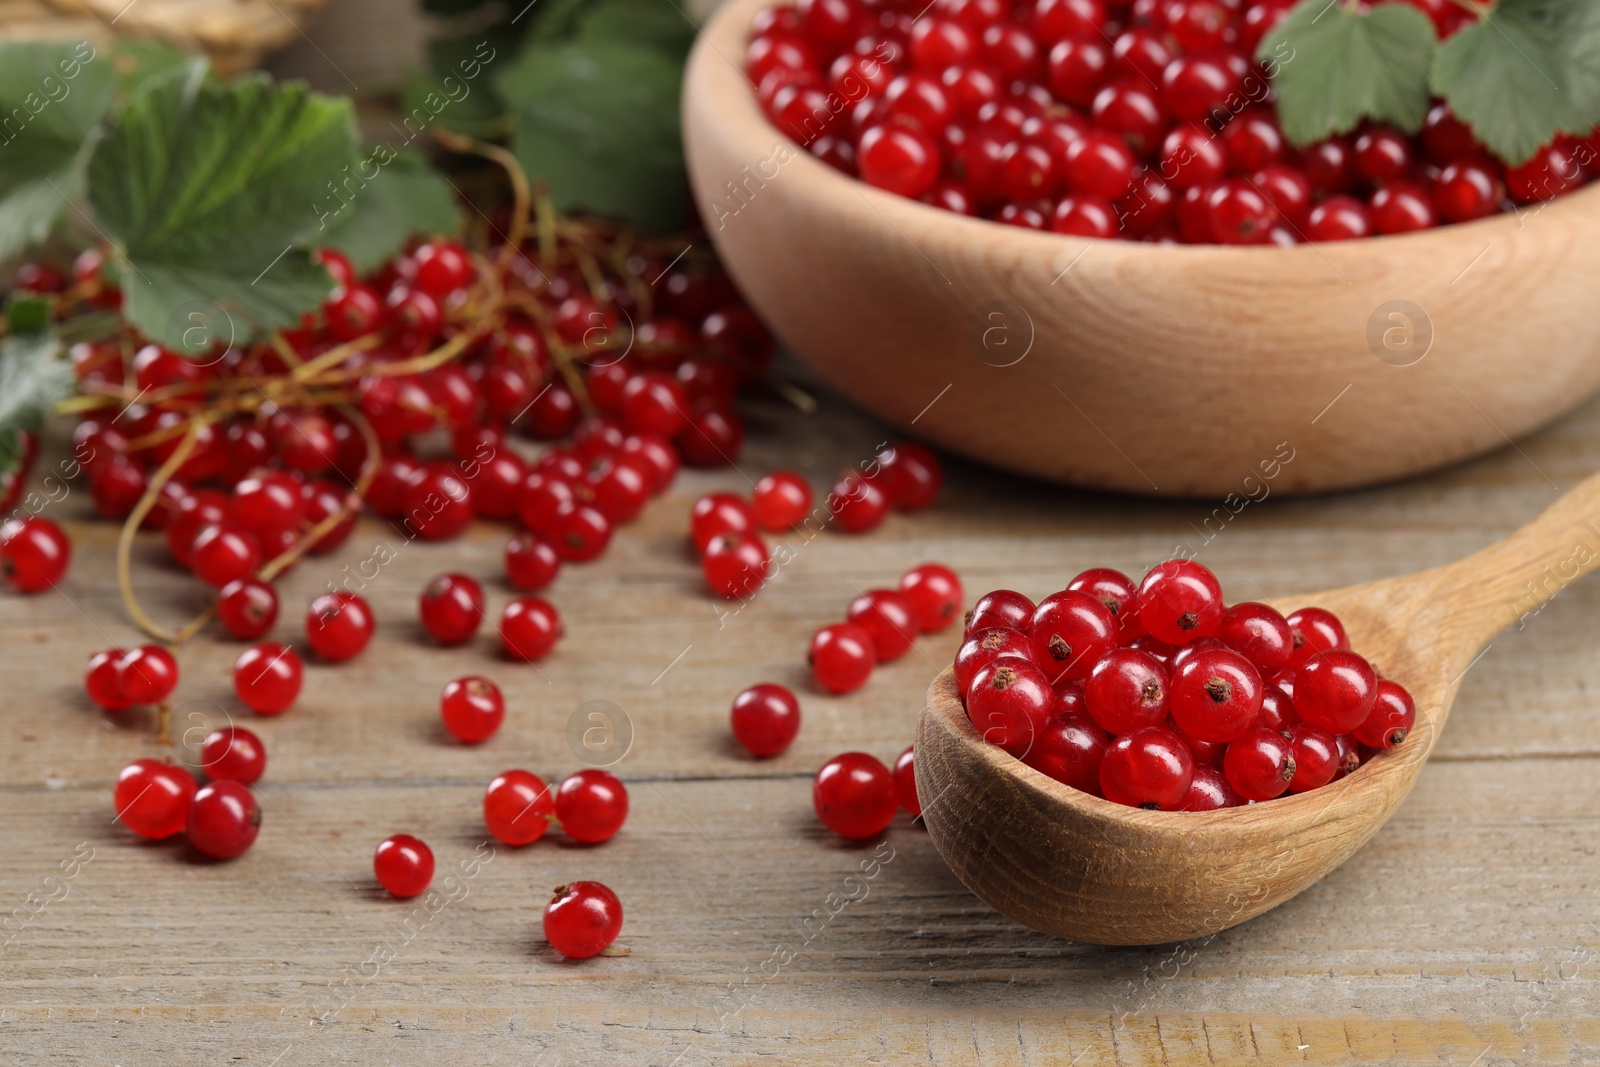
<point>1074,865</point>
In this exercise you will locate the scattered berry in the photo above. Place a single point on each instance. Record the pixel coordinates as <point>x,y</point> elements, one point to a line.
<point>452,608</point>
<point>472,709</point>
<point>582,919</point>
<point>842,657</point>
<point>591,806</point>
<point>517,807</point>
<point>339,625</point>
<point>854,795</point>
<point>403,865</point>
<point>529,628</point>
<point>233,754</point>
<point>152,798</point>
<point>267,678</point>
<point>765,719</point>
<point>34,553</point>
<point>247,608</point>
<point>223,820</point>
<point>935,592</point>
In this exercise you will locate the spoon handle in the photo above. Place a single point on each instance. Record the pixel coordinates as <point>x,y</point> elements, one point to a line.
<point>1513,579</point>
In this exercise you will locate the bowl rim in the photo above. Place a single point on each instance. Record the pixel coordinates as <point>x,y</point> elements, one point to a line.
<point>737,111</point>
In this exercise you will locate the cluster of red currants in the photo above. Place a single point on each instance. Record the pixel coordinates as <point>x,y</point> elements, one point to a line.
<point>881,624</point>
<point>1156,696</point>
<point>158,800</point>
<point>1146,120</point>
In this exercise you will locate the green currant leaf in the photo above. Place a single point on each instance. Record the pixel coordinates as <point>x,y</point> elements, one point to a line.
<point>1335,66</point>
<point>657,23</point>
<point>597,122</point>
<point>1526,71</point>
<point>372,221</point>
<point>455,93</point>
<point>206,188</point>
<point>33,378</point>
<point>139,62</point>
<point>52,100</point>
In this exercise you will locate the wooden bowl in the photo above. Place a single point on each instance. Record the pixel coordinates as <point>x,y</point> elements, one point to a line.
<point>1172,371</point>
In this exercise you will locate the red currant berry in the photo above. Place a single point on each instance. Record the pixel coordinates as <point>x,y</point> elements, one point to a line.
<point>653,402</point>
<point>1126,691</point>
<point>452,608</point>
<point>1216,695</point>
<point>765,719</point>
<point>1314,630</point>
<point>1190,156</point>
<point>247,608</point>
<point>1382,154</point>
<point>554,413</point>
<point>116,487</point>
<point>147,675</point>
<point>103,680</point>
<point>1446,137</point>
<point>1316,757</point>
<point>857,504</point>
<point>901,159</point>
<point>1187,652</point>
<point>442,267</point>
<point>1071,631</point>
<point>1253,139</point>
<point>233,754</point>
<point>1069,749</point>
<point>1078,66</point>
<point>1100,164</point>
<point>531,563</point>
<point>1259,634</point>
<point>1180,600</point>
<point>1402,207</point>
<point>223,820</point>
<point>1140,52</point>
<point>719,513</point>
<point>1149,768</point>
<point>354,311</point>
<point>1198,87</point>
<point>842,657</point>
<point>223,553</point>
<point>529,628</point>
<point>268,503</point>
<point>1277,709</point>
<point>983,647</point>
<point>582,919</point>
<point>1392,716</point>
<point>1330,165</point>
<point>472,709</point>
<point>517,807</point>
<point>935,593</point>
<point>1240,213</point>
<point>592,806</point>
<point>579,532</point>
<point>910,474</point>
<point>889,618</point>
<point>1259,765</point>
<point>1084,215</point>
<point>1117,592</point>
<point>1349,755</point>
<point>437,503</point>
<point>619,487</point>
<point>655,455</point>
<point>339,625</point>
<point>1009,703</point>
<point>735,565</point>
<point>782,500</point>
<point>403,865</point>
<point>1467,189</point>
<point>939,43</point>
<point>854,795</point>
<point>1001,608</point>
<point>268,677</point>
<point>1335,690</point>
<point>1209,791</point>
<point>152,798</point>
<point>1130,107</point>
<point>33,553</point>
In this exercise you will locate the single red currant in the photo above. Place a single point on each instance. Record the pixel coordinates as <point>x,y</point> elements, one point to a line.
<point>592,806</point>
<point>1335,690</point>
<point>1259,765</point>
<point>1338,218</point>
<point>452,608</point>
<point>233,754</point>
<point>1216,695</point>
<point>1149,768</point>
<point>983,647</point>
<point>1209,790</point>
<point>531,562</point>
<point>1402,206</point>
<point>1316,757</point>
<point>34,553</point>
<point>1259,634</point>
<point>224,552</point>
<point>1126,691</point>
<point>935,594</point>
<point>247,608</point>
<point>854,795</point>
<point>1069,749</point>
<point>103,680</point>
<point>267,678</point>
<point>472,709</point>
<point>889,618</point>
<point>339,625</point>
<point>905,782</point>
<point>1315,630</point>
<point>1392,716</point>
<point>910,474</point>
<point>901,159</point>
<point>403,865</point>
<point>719,513</point>
<point>1117,592</point>
<point>1071,631</point>
<point>842,657</point>
<point>147,675</point>
<point>223,820</point>
<point>582,919</point>
<point>152,798</point>
<point>735,565</point>
<point>1009,703</point>
<point>857,504</point>
<point>1180,600</point>
<point>517,807</point>
<point>1277,709</point>
<point>529,628</point>
<point>1001,608</point>
<point>765,719</point>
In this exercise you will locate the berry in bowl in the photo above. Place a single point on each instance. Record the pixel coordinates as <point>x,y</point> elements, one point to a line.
<point>1078,240</point>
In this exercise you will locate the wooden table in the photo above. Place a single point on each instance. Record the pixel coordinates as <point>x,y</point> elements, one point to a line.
<point>1463,934</point>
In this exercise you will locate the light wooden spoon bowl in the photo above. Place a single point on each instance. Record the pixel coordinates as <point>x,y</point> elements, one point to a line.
<point>1157,370</point>
<point>1074,865</point>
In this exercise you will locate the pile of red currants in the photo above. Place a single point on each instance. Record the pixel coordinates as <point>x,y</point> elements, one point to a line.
<point>1147,120</point>
<point>1157,696</point>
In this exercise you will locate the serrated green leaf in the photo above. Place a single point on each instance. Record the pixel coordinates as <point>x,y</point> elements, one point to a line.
<point>406,197</point>
<point>1526,71</point>
<point>597,122</point>
<point>138,63</point>
<point>52,100</point>
<point>32,380</point>
<point>27,312</point>
<point>206,187</point>
<point>1336,66</point>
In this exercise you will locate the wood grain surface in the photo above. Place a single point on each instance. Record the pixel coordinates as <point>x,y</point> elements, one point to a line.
<point>1464,933</point>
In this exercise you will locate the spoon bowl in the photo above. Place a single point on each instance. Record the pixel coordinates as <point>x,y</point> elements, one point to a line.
<point>1077,866</point>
